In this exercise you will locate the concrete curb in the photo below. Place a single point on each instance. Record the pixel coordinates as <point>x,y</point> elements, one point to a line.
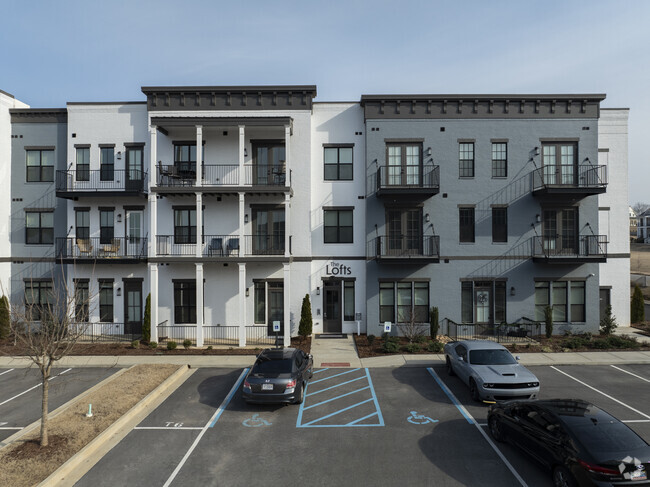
<point>76,467</point>
<point>36,424</point>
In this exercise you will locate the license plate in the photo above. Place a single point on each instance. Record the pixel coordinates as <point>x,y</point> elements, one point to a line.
<point>267,387</point>
<point>638,475</point>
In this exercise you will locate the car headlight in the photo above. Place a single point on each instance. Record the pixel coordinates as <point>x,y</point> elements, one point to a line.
<point>488,385</point>
<point>533,384</point>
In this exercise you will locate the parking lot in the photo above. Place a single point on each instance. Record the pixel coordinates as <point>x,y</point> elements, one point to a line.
<point>380,426</point>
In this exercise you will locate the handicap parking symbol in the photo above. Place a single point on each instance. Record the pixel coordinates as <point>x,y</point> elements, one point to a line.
<point>255,422</point>
<point>416,418</point>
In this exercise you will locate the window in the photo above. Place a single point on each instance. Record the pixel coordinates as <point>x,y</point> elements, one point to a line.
<point>404,232</point>
<point>404,163</point>
<point>106,226</point>
<point>268,230</point>
<point>260,303</point>
<point>499,160</point>
<point>40,165</point>
<point>466,224</point>
<point>83,163</point>
<point>184,302</point>
<point>499,224</point>
<point>38,297</point>
<point>106,300</point>
<point>405,300</point>
<point>559,162</point>
<point>185,159</point>
<point>557,295</point>
<point>39,227</point>
<point>338,163</point>
<point>82,221</point>
<point>106,163</point>
<point>185,226</point>
<point>338,226</point>
<point>466,159</point>
<point>81,297</point>
<point>577,300</point>
<point>348,300</point>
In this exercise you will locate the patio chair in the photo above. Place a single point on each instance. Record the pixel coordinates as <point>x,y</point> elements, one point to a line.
<point>112,249</point>
<point>85,246</point>
<point>233,246</point>
<point>215,247</point>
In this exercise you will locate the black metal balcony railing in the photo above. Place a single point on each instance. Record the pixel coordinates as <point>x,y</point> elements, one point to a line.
<point>106,180</point>
<point>105,332</point>
<point>408,178</point>
<point>223,175</point>
<point>570,176</point>
<point>221,245</point>
<point>582,247</point>
<point>99,249</point>
<point>404,247</point>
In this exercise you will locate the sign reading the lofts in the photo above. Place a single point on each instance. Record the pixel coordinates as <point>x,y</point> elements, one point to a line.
<point>336,269</point>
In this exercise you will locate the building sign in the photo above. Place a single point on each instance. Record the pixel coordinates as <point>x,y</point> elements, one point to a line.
<point>337,270</point>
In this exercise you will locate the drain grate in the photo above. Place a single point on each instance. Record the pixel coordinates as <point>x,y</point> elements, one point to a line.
<point>332,335</point>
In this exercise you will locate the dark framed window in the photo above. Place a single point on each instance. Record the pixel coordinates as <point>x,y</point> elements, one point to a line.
<point>467,302</point>
<point>499,159</point>
<point>106,302</point>
<point>403,164</point>
<point>500,224</point>
<point>560,162</point>
<point>348,300</point>
<point>83,164</point>
<point>466,159</point>
<point>39,227</point>
<point>38,298</point>
<point>81,297</point>
<point>184,302</point>
<point>386,302</point>
<point>40,165</point>
<point>499,301</point>
<point>337,226</point>
<point>565,297</point>
<point>338,163</point>
<point>260,302</point>
<point>82,223</point>
<point>106,226</point>
<point>466,224</point>
<point>577,301</point>
<point>406,300</point>
<point>185,226</point>
<point>268,230</point>
<point>106,163</point>
<point>185,158</point>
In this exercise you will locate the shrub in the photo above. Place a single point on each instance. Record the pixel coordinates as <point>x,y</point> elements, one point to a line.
<point>371,339</point>
<point>419,339</point>
<point>637,310</point>
<point>614,341</point>
<point>135,344</point>
<point>576,342</point>
<point>146,322</point>
<point>209,347</point>
<point>390,346</point>
<point>548,319</point>
<point>187,343</point>
<point>412,348</point>
<point>153,344</point>
<point>608,323</point>
<point>434,324</point>
<point>5,319</point>
<point>435,347</point>
<point>306,324</point>
<point>171,345</point>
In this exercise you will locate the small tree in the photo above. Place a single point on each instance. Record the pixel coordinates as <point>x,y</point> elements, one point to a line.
<point>413,329</point>
<point>306,323</point>
<point>434,324</point>
<point>5,319</point>
<point>548,318</point>
<point>637,311</point>
<point>146,323</point>
<point>608,323</point>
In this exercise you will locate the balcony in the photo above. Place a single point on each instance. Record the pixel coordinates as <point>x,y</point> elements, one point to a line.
<point>96,250</point>
<point>100,182</point>
<point>402,249</point>
<point>224,178</point>
<point>569,180</point>
<point>562,250</point>
<point>224,246</point>
<point>408,182</point>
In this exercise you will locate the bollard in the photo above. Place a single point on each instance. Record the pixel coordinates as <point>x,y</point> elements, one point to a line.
<point>89,414</point>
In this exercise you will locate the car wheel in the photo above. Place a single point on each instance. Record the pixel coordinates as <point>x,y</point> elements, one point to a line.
<point>301,396</point>
<point>450,370</point>
<point>496,430</point>
<point>473,390</point>
<point>563,478</point>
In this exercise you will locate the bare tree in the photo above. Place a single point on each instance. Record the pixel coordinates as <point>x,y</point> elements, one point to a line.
<point>639,207</point>
<point>47,325</point>
<point>413,328</point>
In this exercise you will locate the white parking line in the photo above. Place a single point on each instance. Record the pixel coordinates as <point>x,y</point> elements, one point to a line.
<point>600,392</point>
<point>32,388</point>
<point>6,372</point>
<point>628,372</point>
<point>636,421</point>
<point>10,428</point>
<point>168,428</point>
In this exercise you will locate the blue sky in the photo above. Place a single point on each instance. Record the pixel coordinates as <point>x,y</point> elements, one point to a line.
<point>71,50</point>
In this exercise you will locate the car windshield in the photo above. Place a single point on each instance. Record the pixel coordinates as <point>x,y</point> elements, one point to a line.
<point>491,357</point>
<point>607,437</point>
<point>272,367</point>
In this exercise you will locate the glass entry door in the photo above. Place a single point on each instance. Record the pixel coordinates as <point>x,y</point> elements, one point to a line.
<point>134,233</point>
<point>332,322</point>
<point>275,310</point>
<point>559,231</point>
<point>404,231</point>
<point>269,163</point>
<point>134,169</point>
<point>132,307</point>
<point>560,163</point>
<point>483,304</point>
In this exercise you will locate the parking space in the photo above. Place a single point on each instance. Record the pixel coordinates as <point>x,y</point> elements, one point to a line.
<point>20,393</point>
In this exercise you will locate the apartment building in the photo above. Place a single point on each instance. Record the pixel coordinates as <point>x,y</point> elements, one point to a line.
<point>227,205</point>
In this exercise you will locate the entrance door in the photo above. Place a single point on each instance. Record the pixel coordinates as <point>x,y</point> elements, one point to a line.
<point>132,307</point>
<point>269,163</point>
<point>404,164</point>
<point>275,310</point>
<point>483,304</point>
<point>559,231</point>
<point>605,300</point>
<point>560,163</point>
<point>134,169</point>
<point>268,231</point>
<point>134,229</point>
<point>332,307</point>
<point>404,231</point>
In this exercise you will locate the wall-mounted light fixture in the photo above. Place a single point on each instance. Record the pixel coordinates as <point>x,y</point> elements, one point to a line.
<point>119,155</point>
<point>247,292</point>
<point>512,291</point>
<point>245,152</point>
<point>317,290</point>
<point>427,218</point>
<point>536,151</point>
<point>538,218</point>
<point>429,151</point>
<point>374,161</point>
<point>119,291</point>
<point>119,218</point>
<point>246,218</point>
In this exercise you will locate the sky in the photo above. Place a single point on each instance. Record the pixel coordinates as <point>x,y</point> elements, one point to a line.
<point>52,52</point>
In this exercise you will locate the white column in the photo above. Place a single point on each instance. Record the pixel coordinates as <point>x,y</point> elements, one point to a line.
<point>153,289</point>
<point>287,225</point>
<point>199,305</point>
<point>153,201</point>
<point>287,152</point>
<point>242,159</point>
<point>242,210</point>
<point>199,155</point>
<point>153,156</point>
<point>242,305</point>
<point>199,225</point>
<point>287,302</point>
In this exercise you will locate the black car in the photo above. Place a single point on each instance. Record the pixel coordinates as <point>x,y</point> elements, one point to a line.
<point>579,442</point>
<point>279,375</point>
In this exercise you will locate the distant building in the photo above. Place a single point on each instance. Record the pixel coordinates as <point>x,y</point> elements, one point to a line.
<point>633,224</point>
<point>643,226</point>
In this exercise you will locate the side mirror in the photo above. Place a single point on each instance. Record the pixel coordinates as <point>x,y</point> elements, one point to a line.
<point>461,359</point>
<point>517,358</point>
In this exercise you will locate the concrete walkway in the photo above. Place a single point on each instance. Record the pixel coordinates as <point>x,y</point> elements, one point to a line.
<point>334,352</point>
<point>632,332</point>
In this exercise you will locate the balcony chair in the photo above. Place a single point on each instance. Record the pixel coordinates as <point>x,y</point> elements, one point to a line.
<point>112,249</point>
<point>233,246</point>
<point>85,246</point>
<point>216,247</point>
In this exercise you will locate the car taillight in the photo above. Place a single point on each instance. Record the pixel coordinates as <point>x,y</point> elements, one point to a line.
<point>291,383</point>
<point>247,385</point>
<point>598,469</point>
